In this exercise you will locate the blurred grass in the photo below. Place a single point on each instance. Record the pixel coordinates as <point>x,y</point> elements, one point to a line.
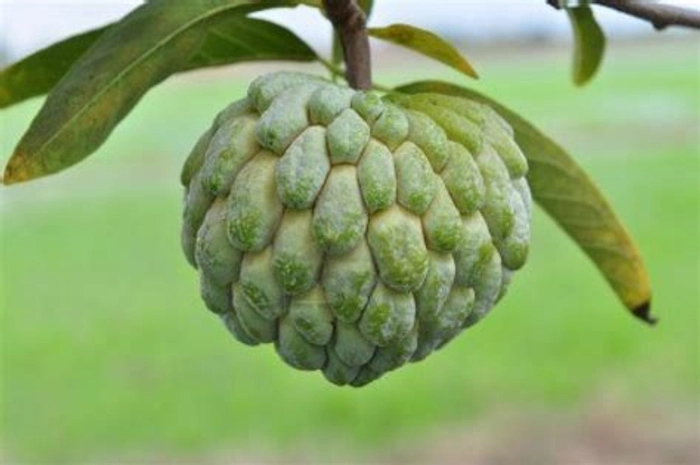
<point>107,351</point>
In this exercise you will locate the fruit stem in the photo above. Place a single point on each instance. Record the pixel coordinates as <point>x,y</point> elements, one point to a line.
<point>332,68</point>
<point>349,21</point>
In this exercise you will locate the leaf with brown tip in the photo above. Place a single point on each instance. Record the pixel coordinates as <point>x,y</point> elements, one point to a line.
<point>571,198</point>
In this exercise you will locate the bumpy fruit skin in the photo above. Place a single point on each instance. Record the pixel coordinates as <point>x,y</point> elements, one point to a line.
<point>356,233</point>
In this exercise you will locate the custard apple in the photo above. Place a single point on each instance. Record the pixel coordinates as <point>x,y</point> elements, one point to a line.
<point>355,232</point>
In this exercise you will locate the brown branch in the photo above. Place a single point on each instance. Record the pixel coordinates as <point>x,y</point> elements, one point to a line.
<point>350,22</point>
<point>661,16</point>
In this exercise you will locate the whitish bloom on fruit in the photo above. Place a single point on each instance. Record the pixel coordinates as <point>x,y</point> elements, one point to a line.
<point>355,232</point>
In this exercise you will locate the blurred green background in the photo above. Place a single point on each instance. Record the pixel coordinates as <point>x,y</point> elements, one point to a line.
<point>108,355</point>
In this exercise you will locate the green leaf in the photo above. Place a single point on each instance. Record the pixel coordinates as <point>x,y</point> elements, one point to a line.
<point>239,38</point>
<point>234,40</point>
<point>39,72</point>
<point>571,198</point>
<point>153,42</point>
<point>424,42</point>
<point>589,44</point>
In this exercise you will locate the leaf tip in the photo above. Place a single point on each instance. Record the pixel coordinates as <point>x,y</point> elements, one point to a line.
<point>15,171</point>
<point>643,312</point>
<point>580,81</point>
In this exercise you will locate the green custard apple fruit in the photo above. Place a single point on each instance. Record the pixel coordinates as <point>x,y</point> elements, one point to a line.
<point>355,232</point>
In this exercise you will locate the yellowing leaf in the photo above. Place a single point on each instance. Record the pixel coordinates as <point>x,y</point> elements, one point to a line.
<point>589,44</point>
<point>571,198</point>
<point>424,42</point>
